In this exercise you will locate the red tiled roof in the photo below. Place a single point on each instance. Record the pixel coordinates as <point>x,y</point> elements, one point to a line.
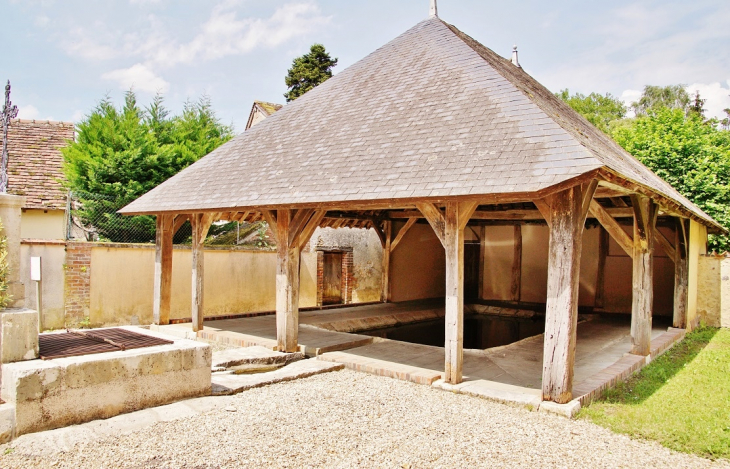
<point>35,161</point>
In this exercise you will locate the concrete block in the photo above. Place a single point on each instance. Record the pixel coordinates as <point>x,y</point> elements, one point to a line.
<point>494,391</point>
<point>568,410</point>
<point>54,393</point>
<point>7,422</point>
<point>18,335</point>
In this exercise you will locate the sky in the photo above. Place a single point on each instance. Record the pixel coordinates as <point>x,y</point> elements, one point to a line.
<point>63,56</point>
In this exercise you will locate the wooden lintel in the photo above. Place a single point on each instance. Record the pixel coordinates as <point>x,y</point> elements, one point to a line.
<point>614,229</point>
<point>402,233</point>
<point>435,218</point>
<point>511,214</point>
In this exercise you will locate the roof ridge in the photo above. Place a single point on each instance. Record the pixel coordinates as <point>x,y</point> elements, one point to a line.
<point>43,121</point>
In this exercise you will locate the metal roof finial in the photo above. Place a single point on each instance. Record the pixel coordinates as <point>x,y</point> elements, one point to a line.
<point>9,112</point>
<point>434,12</point>
<point>514,57</point>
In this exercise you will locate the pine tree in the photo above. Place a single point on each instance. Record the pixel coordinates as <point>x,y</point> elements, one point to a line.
<point>308,71</point>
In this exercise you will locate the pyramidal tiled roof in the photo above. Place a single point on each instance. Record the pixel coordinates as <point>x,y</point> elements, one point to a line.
<point>433,113</point>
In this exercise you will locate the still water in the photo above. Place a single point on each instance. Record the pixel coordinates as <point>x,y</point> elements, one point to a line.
<point>480,331</point>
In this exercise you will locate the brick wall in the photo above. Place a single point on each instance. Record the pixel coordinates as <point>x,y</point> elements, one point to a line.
<point>77,282</point>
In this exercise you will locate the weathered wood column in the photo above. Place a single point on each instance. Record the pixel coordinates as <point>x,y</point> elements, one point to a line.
<point>565,213</point>
<point>287,284</point>
<point>163,269</point>
<point>645,213</point>
<point>386,240</point>
<point>201,224</point>
<point>681,275</point>
<point>449,228</point>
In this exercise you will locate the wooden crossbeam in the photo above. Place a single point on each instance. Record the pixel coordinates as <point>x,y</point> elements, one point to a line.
<point>402,233</point>
<point>544,207</point>
<point>299,221</point>
<point>270,218</point>
<point>180,220</point>
<point>513,214</point>
<point>307,230</point>
<point>666,245</point>
<point>435,218</point>
<point>614,229</point>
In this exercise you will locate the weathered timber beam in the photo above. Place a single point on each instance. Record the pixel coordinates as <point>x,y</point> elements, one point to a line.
<point>402,233</point>
<point>516,286</point>
<point>512,214</point>
<point>385,267</point>
<point>270,218</point>
<point>544,207</point>
<point>162,289</point>
<point>466,210</point>
<point>665,244</point>
<point>201,224</point>
<point>613,228</point>
<point>435,218</point>
<point>645,212</point>
<point>180,220</point>
<point>681,274</point>
<point>588,190</point>
<point>306,233</point>
<point>299,221</point>
<point>287,284</point>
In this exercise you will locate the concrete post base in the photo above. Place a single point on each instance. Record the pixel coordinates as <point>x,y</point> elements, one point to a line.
<point>18,335</point>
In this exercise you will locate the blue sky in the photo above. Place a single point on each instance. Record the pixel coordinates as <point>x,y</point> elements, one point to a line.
<point>63,56</point>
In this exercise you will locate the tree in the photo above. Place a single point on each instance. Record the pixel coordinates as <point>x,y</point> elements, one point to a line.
<point>687,153</point>
<point>697,105</point>
<point>655,97</point>
<point>120,154</point>
<point>599,110</point>
<point>308,71</point>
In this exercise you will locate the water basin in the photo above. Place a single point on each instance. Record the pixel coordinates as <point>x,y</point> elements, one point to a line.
<point>480,331</point>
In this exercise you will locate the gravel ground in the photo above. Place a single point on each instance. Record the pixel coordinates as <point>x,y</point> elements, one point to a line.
<point>348,419</point>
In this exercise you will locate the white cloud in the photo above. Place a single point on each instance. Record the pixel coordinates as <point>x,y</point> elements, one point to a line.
<point>139,77</point>
<point>28,112</point>
<point>718,98</point>
<point>144,2</point>
<point>42,21</point>
<point>224,34</point>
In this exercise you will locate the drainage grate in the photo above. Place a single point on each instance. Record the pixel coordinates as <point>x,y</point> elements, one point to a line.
<point>76,343</point>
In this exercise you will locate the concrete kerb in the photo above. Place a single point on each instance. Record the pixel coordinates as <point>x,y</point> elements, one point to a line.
<point>516,396</point>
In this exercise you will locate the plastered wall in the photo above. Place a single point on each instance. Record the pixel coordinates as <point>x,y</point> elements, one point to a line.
<point>418,265</point>
<point>42,224</point>
<point>235,282</point>
<point>53,257</point>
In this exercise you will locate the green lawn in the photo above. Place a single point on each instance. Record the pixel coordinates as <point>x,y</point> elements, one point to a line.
<point>682,399</point>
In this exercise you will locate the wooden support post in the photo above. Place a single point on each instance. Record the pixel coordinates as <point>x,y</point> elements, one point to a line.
<point>287,283</point>
<point>516,286</point>
<point>162,290</point>
<point>565,213</point>
<point>645,213</point>
<point>385,294</point>
<point>599,301</point>
<point>201,224</point>
<point>482,259</point>
<point>449,228</point>
<point>681,274</point>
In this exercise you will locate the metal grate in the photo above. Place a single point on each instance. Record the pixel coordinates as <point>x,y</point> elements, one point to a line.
<point>76,343</point>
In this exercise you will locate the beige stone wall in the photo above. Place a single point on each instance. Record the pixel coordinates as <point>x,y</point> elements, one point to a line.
<point>235,282</point>
<point>42,224</point>
<point>53,258</point>
<point>418,266</point>
<point>713,290</point>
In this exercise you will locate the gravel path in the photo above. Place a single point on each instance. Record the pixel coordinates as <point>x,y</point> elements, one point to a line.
<point>348,419</point>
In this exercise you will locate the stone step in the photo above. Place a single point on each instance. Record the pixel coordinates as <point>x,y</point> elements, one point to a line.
<point>256,355</point>
<point>226,384</point>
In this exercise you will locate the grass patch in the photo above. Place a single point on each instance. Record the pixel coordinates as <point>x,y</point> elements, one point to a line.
<point>681,399</point>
